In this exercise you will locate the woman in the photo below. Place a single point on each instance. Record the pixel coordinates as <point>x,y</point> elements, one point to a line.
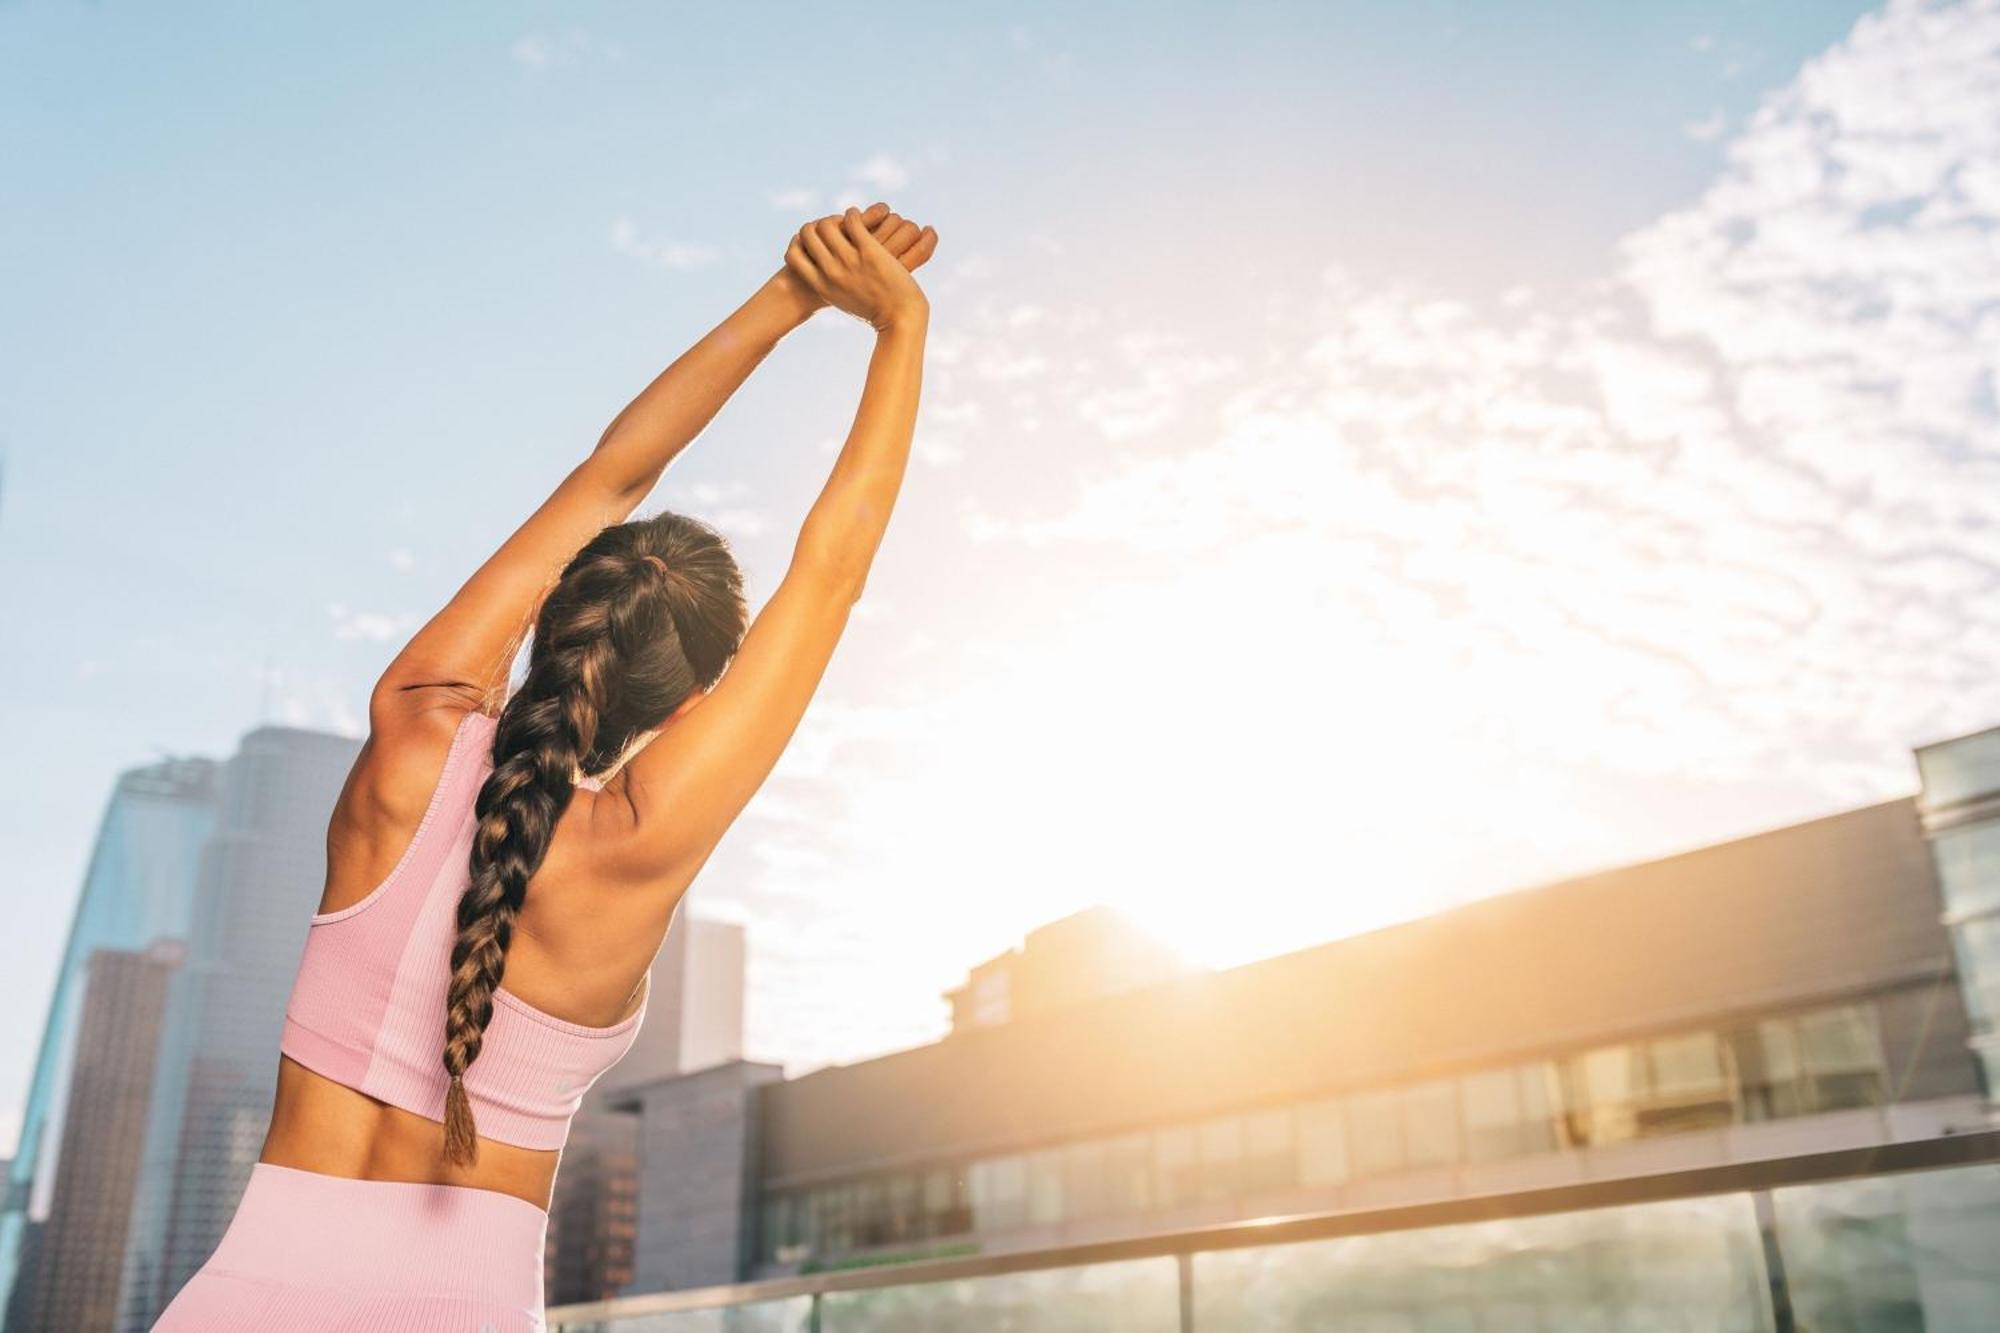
<point>546,838</point>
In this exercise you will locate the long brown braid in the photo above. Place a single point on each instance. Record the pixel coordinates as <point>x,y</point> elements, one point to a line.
<point>645,614</point>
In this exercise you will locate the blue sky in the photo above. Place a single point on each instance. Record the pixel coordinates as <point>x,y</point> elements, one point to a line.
<point>1372,454</point>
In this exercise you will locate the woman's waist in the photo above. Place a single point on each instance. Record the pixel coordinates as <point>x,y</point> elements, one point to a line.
<point>325,1127</point>
<point>302,1227</point>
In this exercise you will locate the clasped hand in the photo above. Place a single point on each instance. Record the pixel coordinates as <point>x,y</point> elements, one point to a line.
<point>861,261</point>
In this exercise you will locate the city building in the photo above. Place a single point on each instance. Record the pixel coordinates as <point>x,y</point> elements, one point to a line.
<point>1098,951</point>
<point>81,1256</point>
<point>261,874</point>
<point>1961,813</point>
<point>700,1132</point>
<point>1788,992</point>
<point>694,1021</point>
<point>137,888</point>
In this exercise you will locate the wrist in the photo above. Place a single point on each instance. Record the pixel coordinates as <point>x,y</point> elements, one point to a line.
<point>793,301</point>
<point>910,317</point>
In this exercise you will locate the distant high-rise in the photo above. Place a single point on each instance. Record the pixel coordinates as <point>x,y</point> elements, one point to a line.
<point>138,888</point>
<point>1096,952</point>
<point>260,880</point>
<point>77,1273</point>
<point>1961,815</point>
<point>694,1020</point>
<point>694,1011</point>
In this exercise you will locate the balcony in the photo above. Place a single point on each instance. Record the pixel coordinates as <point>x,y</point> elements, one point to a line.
<point>1899,1236</point>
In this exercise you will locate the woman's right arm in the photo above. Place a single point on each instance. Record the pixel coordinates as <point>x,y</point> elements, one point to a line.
<point>844,528</point>
<point>688,785</point>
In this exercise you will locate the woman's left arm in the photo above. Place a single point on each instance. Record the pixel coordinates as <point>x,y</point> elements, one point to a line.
<point>462,656</point>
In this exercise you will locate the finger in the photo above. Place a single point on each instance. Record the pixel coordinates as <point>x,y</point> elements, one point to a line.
<point>839,235</point>
<point>864,240</point>
<point>816,249</point>
<point>900,237</point>
<point>919,254</point>
<point>876,214</point>
<point>799,262</point>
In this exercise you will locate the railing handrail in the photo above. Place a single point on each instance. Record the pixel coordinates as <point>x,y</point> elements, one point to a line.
<point>1927,1154</point>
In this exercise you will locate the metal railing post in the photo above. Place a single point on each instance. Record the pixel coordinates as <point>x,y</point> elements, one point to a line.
<point>1782,1318</point>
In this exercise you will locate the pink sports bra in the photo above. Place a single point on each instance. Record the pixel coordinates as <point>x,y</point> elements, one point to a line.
<point>367,1008</point>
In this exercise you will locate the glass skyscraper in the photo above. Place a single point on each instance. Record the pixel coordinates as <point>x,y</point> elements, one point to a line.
<point>1961,811</point>
<point>259,882</point>
<point>138,888</point>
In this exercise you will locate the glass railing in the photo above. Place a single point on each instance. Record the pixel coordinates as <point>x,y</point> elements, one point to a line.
<point>1902,1237</point>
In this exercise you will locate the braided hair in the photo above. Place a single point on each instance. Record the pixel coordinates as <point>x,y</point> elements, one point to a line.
<point>648,612</point>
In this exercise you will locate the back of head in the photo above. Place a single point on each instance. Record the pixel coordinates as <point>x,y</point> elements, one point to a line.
<point>646,614</point>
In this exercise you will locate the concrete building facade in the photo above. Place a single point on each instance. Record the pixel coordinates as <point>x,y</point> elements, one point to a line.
<point>1770,995</point>
<point>694,1021</point>
<point>76,1279</point>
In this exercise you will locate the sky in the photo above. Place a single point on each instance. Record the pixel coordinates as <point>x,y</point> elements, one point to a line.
<point>1371,455</point>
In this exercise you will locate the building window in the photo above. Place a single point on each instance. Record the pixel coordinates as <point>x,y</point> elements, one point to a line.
<point>1544,1125</point>
<point>1322,1143</point>
<point>1978,945</point>
<point>1842,1055</point>
<point>1270,1158</point>
<point>1085,1184</point>
<point>905,1213</point>
<point>1128,1174</point>
<point>777,1227</point>
<point>1959,770</point>
<point>832,1231</point>
<point>1430,1124</point>
<point>1177,1166</point>
<point>1602,1095</point>
<point>1968,863</point>
<point>1045,1186</point>
<point>871,1212</point>
<point>1825,1060</point>
<point>1688,1086</point>
<point>947,1207</point>
<point>1221,1146</point>
<point>999,1193</point>
<point>1493,1115</point>
<point>1374,1134</point>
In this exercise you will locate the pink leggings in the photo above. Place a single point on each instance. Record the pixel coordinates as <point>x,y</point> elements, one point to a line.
<point>316,1253</point>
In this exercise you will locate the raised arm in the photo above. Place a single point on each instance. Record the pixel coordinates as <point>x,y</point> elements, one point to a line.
<point>690,783</point>
<point>463,653</point>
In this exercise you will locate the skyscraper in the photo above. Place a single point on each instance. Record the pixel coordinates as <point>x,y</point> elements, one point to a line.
<point>1961,815</point>
<point>139,887</point>
<point>260,879</point>
<point>76,1277</point>
<point>694,1020</point>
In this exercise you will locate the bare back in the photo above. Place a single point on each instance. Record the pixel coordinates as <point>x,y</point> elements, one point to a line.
<point>587,932</point>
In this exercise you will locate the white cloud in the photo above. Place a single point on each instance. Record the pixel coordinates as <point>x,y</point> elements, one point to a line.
<point>1708,129</point>
<point>1428,596</point>
<point>675,255</point>
<point>793,200</point>
<point>309,699</point>
<point>540,51</point>
<point>1719,523</point>
<point>883,172</point>
<point>353,623</point>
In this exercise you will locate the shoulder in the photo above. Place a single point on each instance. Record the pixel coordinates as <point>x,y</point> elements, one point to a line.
<point>409,743</point>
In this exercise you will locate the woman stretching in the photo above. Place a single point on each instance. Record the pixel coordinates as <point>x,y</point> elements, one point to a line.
<point>546,838</point>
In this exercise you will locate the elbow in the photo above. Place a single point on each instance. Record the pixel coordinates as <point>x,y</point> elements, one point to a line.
<point>836,582</point>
